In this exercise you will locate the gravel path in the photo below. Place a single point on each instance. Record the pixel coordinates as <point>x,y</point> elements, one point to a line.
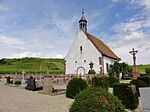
<point>14,99</point>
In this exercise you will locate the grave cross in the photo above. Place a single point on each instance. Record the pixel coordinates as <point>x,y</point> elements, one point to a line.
<point>91,65</point>
<point>135,74</point>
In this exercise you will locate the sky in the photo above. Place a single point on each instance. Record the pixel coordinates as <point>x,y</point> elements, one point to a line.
<point>47,28</point>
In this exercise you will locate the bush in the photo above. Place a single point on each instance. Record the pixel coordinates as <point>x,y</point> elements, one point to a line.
<point>145,79</point>
<point>138,83</point>
<point>147,70</point>
<point>75,86</point>
<point>96,100</point>
<point>17,82</point>
<point>126,95</point>
<point>112,81</point>
<point>100,81</point>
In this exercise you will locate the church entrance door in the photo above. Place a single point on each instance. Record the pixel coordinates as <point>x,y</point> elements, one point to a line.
<point>81,71</point>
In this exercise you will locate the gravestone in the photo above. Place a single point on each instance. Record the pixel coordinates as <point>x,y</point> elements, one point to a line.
<point>8,80</point>
<point>23,81</point>
<point>16,78</point>
<point>47,86</point>
<point>145,98</point>
<point>23,77</point>
<point>31,85</point>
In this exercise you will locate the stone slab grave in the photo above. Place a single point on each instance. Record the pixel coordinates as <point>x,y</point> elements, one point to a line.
<point>47,86</point>
<point>49,89</point>
<point>32,85</point>
<point>145,98</point>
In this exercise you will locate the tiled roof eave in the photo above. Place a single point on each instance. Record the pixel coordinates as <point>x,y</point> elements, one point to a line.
<point>111,57</point>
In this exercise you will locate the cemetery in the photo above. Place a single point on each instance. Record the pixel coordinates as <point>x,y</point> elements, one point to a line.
<point>89,79</point>
<point>132,95</point>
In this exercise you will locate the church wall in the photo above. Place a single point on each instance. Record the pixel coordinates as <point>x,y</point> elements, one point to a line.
<point>107,63</point>
<point>81,53</point>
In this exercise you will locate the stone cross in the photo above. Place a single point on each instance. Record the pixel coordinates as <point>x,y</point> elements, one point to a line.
<point>135,71</point>
<point>91,65</point>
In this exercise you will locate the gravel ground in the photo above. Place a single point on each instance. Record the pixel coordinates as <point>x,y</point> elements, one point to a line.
<point>14,99</point>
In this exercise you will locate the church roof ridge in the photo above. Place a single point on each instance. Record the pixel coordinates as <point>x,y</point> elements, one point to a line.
<point>102,47</point>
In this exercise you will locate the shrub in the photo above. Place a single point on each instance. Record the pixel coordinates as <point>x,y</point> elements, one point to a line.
<point>147,70</point>
<point>17,82</point>
<point>96,100</point>
<point>75,86</point>
<point>138,83</point>
<point>100,81</point>
<point>112,81</point>
<point>145,79</point>
<point>126,95</point>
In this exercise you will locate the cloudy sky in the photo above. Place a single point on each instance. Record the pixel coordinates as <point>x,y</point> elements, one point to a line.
<point>47,28</point>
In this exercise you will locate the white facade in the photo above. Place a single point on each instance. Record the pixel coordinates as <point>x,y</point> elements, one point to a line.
<point>77,61</point>
<point>81,53</point>
<point>107,63</point>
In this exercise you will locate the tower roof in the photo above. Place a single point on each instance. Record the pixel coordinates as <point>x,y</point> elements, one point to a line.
<point>82,17</point>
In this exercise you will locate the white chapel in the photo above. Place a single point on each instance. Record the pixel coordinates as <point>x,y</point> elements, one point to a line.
<point>88,49</point>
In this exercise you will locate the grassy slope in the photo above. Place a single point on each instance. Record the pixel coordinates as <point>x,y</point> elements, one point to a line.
<point>39,65</point>
<point>33,65</point>
<point>141,68</point>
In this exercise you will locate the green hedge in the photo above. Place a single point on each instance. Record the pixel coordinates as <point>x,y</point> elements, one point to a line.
<point>75,86</point>
<point>17,82</point>
<point>100,81</point>
<point>126,95</point>
<point>147,70</point>
<point>138,83</point>
<point>112,81</point>
<point>145,79</point>
<point>96,100</point>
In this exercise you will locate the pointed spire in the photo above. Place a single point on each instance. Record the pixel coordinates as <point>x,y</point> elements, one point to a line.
<point>83,22</point>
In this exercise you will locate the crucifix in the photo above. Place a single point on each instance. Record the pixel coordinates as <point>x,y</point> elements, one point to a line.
<point>135,71</point>
<point>91,65</point>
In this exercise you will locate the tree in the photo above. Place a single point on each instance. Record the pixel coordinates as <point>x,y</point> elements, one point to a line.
<point>118,68</point>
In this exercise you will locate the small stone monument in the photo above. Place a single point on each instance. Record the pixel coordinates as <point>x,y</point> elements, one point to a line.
<point>23,82</point>
<point>23,77</point>
<point>47,86</point>
<point>16,77</point>
<point>91,71</point>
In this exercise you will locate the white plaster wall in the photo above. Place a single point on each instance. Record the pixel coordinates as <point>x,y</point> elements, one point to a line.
<point>109,61</point>
<point>89,53</point>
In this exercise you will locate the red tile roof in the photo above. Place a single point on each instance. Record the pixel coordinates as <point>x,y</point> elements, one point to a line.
<point>101,47</point>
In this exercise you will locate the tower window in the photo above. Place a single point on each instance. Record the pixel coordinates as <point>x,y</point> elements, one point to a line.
<point>81,48</point>
<point>75,61</point>
<point>84,60</point>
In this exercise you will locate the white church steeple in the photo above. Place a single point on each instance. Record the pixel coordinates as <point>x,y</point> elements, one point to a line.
<point>83,23</point>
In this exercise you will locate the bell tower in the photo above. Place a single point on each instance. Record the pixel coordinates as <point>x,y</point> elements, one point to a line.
<point>83,23</point>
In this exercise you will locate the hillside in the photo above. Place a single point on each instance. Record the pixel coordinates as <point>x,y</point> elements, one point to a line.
<point>141,68</point>
<point>39,65</point>
<point>32,65</point>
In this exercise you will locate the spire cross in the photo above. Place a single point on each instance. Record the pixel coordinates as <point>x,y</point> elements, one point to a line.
<point>82,11</point>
